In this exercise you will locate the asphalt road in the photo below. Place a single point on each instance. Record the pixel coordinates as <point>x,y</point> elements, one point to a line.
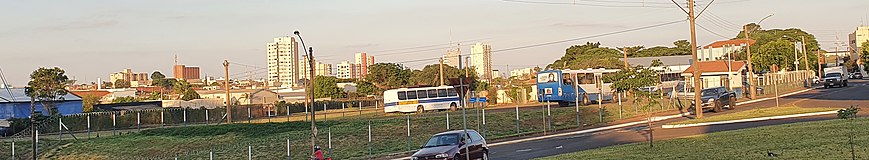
<point>856,94</point>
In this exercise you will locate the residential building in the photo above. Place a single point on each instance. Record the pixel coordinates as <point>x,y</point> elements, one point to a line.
<point>717,74</point>
<point>523,72</point>
<point>363,60</point>
<point>324,69</point>
<point>856,40</point>
<point>183,72</point>
<point>241,96</point>
<point>283,59</point>
<point>721,49</point>
<point>127,75</point>
<point>496,73</point>
<point>452,57</point>
<point>17,104</point>
<point>320,69</point>
<point>481,59</point>
<point>347,70</point>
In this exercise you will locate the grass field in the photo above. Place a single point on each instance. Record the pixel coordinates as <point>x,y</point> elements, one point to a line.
<point>809,140</point>
<point>757,113</point>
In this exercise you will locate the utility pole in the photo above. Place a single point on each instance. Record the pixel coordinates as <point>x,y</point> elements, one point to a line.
<point>625,53</point>
<point>751,80</point>
<point>226,87</point>
<point>806,57</point>
<point>442,70</point>
<point>819,64</point>
<point>696,72</point>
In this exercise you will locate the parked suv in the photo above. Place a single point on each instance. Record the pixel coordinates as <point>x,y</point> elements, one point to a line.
<point>453,145</point>
<point>715,99</point>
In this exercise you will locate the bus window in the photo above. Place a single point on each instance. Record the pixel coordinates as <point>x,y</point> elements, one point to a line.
<point>421,94</point>
<point>402,95</point>
<point>432,93</point>
<point>411,94</point>
<point>567,79</point>
<point>452,92</point>
<point>442,92</point>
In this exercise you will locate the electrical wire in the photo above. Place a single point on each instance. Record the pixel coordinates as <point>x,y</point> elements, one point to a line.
<point>710,31</point>
<point>585,4</point>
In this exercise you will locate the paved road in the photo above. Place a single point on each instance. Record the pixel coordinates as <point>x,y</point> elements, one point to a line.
<point>856,94</point>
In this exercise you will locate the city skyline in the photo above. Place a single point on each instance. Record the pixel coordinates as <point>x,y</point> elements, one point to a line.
<point>88,34</point>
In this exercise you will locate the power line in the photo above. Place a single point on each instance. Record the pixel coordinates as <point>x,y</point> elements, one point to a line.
<point>710,31</point>
<point>585,4</point>
<point>556,42</point>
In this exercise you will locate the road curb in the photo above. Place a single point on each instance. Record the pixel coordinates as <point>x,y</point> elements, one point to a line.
<point>768,98</point>
<point>747,120</point>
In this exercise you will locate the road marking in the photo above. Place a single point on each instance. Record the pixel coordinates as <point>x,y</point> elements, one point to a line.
<point>588,130</point>
<point>524,150</point>
<point>559,147</point>
<point>748,120</point>
<point>768,98</point>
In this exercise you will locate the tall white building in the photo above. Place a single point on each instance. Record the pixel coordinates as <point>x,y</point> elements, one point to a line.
<point>363,60</point>
<point>283,59</point>
<point>452,57</point>
<point>481,59</point>
<point>347,70</point>
<point>856,40</point>
<point>320,69</point>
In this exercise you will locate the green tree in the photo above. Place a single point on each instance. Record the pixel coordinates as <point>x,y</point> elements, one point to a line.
<point>325,86</point>
<point>779,52</point>
<point>88,101</point>
<point>125,100</point>
<point>189,94</point>
<point>865,55</point>
<point>430,75</point>
<point>630,80</point>
<point>47,85</point>
<point>184,89</point>
<point>157,75</point>
<point>783,41</point>
<point>589,55</point>
<point>120,83</point>
<point>367,88</point>
<point>388,75</point>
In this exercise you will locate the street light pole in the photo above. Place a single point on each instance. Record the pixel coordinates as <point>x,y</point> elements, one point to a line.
<point>751,80</point>
<point>310,53</point>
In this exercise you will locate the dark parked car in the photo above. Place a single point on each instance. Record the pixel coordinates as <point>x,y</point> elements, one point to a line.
<point>454,145</point>
<point>715,99</point>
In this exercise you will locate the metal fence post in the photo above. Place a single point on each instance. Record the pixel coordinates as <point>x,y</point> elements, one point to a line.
<point>484,121</point>
<point>211,155</point>
<point>139,120</point>
<point>408,132</point>
<point>620,104</point>
<point>330,142</point>
<point>114,124</point>
<point>249,152</point>
<point>360,108</point>
<point>549,116</point>
<point>324,111</point>
<point>162,122</point>
<point>288,148</point>
<point>184,112</point>
<point>369,137</point>
<point>248,114</point>
<point>13,149</point>
<point>206,116</point>
<point>60,128</point>
<point>576,103</point>
<point>89,127</point>
<point>342,109</point>
<point>448,120</point>
<point>517,118</point>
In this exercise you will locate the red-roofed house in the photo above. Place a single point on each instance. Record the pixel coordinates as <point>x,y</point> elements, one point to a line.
<point>721,49</point>
<point>716,73</point>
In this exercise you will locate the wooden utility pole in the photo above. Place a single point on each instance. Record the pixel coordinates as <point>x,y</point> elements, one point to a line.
<point>625,53</point>
<point>805,56</point>
<point>696,73</point>
<point>226,87</point>
<point>820,75</point>
<point>441,71</point>
<point>751,80</point>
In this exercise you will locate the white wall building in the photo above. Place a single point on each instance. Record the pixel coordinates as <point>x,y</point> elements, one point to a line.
<point>452,57</point>
<point>857,38</point>
<point>283,59</point>
<point>347,70</point>
<point>481,59</point>
<point>522,72</point>
<point>719,50</point>
<point>363,60</point>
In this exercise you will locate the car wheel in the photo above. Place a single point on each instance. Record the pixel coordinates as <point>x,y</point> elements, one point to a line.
<point>845,84</point>
<point>458,156</point>
<point>716,107</point>
<point>420,109</point>
<point>486,155</point>
<point>826,86</point>
<point>732,103</point>
<point>691,111</point>
<point>453,107</point>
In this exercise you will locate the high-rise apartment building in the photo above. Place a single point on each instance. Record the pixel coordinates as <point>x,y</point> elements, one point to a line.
<point>320,69</point>
<point>324,69</point>
<point>347,70</point>
<point>481,59</point>
<point>363,60</point>
<point>183,72</point>
<point>283,59</point>
<point>856,40</point>
<point>129,76</point>
<point>452,57</point>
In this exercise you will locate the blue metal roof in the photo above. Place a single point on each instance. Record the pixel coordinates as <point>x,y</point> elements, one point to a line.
<point>19,96</point>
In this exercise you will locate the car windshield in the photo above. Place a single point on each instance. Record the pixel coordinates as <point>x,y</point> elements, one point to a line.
<point>708,92</point>
<point>442,140</point>
<point>833,75</point>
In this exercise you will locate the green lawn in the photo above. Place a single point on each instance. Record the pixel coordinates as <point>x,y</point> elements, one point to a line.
<point>757,113</point>
<point>809,140</point>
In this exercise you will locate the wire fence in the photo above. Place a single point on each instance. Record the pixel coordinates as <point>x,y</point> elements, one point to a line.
<point>363,134</point>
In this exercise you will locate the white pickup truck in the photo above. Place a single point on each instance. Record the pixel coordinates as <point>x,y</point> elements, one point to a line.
<point>835,76</point>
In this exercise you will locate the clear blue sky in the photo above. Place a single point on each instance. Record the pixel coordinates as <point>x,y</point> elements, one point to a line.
<point>91,39</point>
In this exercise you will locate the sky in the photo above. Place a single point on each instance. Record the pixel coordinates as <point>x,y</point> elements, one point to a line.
<point>93,38</point>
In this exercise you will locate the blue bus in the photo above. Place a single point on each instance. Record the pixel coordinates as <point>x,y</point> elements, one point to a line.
<point>569,86</point>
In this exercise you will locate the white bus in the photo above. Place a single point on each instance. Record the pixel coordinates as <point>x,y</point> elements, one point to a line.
<point>420,99</point>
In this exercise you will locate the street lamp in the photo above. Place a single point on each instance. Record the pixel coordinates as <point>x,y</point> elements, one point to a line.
<point>310,54</point>
<point>751,80</point>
